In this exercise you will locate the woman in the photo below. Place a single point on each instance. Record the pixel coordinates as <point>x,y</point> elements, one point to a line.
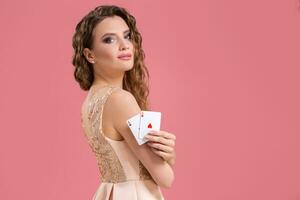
<point>109,64</point>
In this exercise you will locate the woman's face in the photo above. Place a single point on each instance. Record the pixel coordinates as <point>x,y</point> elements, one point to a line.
<point>111,37</point>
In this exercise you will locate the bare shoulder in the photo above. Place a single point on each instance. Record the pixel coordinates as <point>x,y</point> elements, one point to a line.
<point>121,96</point>
<point>122,105</point>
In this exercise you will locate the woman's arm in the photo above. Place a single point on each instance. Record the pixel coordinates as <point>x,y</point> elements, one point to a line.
<point>123,106</point>
<point>163,144</point>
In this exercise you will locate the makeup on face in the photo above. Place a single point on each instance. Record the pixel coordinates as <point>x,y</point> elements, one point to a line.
<point>112,35</point>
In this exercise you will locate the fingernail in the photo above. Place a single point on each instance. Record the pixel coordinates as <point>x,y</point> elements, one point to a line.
<point>153,132</point>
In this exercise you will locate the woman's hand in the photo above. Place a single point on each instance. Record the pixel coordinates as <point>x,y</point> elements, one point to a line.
<point>163,144</point>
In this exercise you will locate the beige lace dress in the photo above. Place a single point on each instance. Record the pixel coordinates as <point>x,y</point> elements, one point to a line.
<point>123,176</point>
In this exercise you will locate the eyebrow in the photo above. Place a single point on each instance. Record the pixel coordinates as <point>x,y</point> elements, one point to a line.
<point>114,33</point>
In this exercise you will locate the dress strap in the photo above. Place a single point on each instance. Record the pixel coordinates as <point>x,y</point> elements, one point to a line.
<point>96,104</point>
<point>104,98</point>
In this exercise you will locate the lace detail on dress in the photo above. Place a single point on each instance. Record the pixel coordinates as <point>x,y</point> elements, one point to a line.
<point>144,174</point>
<point>110,167</point>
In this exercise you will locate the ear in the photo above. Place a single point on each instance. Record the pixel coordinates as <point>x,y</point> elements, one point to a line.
<point>88,54</point>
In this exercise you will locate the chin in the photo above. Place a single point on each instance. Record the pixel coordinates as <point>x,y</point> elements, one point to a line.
<point>128,67</point>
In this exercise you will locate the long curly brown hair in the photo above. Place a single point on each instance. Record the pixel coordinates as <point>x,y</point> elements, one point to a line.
<point>135,80</point>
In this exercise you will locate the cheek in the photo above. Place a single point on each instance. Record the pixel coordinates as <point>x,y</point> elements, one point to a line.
<point>105,53</point>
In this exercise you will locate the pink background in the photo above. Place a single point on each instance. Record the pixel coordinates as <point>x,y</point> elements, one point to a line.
<point>224,74</point>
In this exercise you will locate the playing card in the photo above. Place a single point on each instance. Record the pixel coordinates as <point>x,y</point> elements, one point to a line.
<point>134,125</point>
<point>150,120</point>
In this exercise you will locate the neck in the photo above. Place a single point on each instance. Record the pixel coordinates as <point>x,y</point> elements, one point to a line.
<point>100,81</point>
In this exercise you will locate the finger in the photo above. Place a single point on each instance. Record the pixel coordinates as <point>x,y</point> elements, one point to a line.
<point>161,140</point>
<point>164,134</point>
<point>161,147</point>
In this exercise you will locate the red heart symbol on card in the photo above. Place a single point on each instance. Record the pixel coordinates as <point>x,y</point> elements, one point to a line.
<point>149,125</point>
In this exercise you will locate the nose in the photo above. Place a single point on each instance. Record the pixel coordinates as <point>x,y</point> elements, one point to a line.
<point>124,45</point>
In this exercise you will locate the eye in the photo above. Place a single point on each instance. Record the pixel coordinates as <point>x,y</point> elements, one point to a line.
<point>107,40</point>
<point>129,36</point>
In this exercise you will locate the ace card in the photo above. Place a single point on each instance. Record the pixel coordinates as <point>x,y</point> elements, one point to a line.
<point>149,120</point>
<point>134,125</point>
